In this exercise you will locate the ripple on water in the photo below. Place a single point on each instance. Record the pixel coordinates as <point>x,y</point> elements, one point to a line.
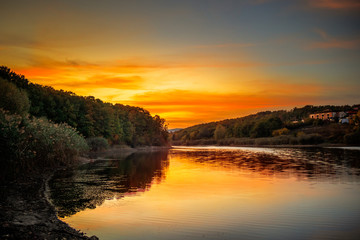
<point>215,193</point>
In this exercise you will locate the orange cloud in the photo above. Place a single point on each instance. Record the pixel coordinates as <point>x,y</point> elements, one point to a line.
<point>104,81</point>
<point>183,108</point>
<point>335,4</point>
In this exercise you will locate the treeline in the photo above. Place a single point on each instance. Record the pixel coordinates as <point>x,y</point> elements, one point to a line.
<point>117,123</point>
<point>42,128</point>
<point>283,127</point>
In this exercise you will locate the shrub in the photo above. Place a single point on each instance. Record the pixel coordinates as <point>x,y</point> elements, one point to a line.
<point>12,137</point>
<point>36,144</point>
<point>97,143</point>
<point>279,132</point>
<point>54,144</point>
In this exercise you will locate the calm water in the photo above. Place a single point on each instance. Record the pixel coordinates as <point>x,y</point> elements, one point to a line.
<point>215,193</point>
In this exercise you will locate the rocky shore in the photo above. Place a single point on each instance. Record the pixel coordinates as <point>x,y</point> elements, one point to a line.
<point>26,213</point>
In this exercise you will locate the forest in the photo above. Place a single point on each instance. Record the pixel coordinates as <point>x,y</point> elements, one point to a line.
<point>118,123</point>
<point>273,128</point>
<point>41,126</point>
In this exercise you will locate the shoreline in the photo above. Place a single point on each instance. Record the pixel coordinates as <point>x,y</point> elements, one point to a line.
<point>27,211</point>
<point>339,146</point>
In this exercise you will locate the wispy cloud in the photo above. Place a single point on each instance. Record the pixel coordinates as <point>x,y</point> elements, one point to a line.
<point>103,81</point>
<point>330,42</point>
<point>335,4</point>
<point>334,43</point>
<point>226,45</point>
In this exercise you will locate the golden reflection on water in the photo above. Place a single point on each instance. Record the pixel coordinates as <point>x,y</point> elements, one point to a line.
<point>216,194</point>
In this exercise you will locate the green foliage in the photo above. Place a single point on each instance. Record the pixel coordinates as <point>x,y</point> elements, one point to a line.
<point>92,117</point>
<point>265,127</point>
<point>30,143</point>
<point>256,129</point>
<point>279,132</point>
<point>56,143</point>
<point>97,143</point>
<point>219,132</point>
<point>12,99</point>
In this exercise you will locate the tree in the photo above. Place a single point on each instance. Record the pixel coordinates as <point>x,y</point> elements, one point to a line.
<point>90,116</point>
<point>13,99</point>
<point>220,132</point>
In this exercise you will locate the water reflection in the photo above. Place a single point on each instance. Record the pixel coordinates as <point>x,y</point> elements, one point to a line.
<point>216,193</point>
<point>302,163</point>
<point>91,184</point>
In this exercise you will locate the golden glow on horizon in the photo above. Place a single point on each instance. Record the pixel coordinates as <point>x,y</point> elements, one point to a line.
<point>181,102</point>
<point>185,62</point>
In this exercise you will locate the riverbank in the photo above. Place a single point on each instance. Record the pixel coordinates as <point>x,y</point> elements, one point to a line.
<point>26,211</point>
<point>323,145</point>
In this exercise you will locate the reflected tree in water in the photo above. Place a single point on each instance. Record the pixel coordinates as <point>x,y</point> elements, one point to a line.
<point>91,184</point>
<point>302,163</point>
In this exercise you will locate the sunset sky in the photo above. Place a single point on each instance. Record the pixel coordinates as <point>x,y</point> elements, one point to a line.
<point>189,61</point>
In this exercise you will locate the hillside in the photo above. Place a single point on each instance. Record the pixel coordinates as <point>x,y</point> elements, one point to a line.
<point>119,124</point>
<point>276,127</point>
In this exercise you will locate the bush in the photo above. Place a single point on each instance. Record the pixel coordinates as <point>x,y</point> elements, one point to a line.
<point>97,143</point>
<point>54,144</point>
<point>279,132</point>
<point>12,137</point>
<point>36,144</point>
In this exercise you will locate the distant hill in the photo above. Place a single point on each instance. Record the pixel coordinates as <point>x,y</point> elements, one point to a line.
<point>174,130</point>
<point>250,129</point>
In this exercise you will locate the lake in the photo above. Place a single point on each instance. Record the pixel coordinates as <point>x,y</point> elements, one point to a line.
<point>215,193</point>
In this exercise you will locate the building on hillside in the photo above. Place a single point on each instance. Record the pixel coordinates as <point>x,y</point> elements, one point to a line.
<point>328,115</point>
<point>349,116</point>
<point>353,116</point>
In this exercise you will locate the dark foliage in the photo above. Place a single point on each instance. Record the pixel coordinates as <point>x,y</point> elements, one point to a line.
<point>256,129</point>
<point>12,99</point>
<point>97,143</point>
<point>92,117</point>
<point>32,144</point>
<point>352,138</point>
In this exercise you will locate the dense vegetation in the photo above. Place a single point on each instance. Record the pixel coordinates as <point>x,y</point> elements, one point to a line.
<point>92,117</point>
<point>41,128</point>
<point>272,128</point>
<point>31,144</point>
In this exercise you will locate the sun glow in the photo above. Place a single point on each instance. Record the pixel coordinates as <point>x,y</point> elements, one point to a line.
<point>189,64</point>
